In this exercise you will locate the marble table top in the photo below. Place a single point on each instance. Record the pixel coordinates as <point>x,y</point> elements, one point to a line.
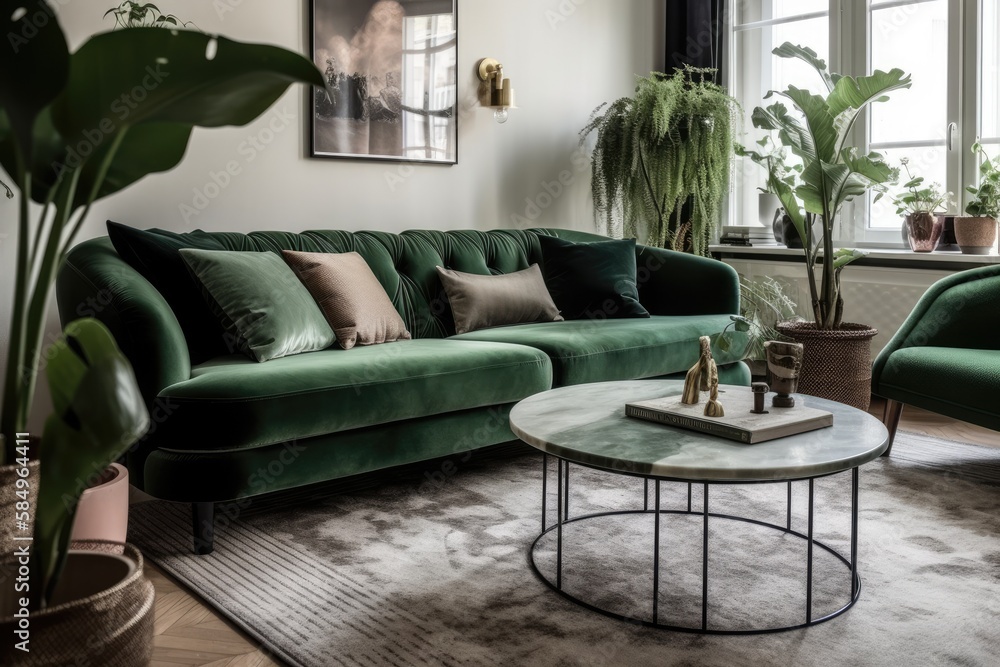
<point>587,424</point>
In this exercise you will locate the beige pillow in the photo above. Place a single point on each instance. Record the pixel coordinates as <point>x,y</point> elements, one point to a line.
<point>481,302</point>
<point>350,296</point>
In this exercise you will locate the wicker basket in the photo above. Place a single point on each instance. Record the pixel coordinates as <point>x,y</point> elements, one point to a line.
<point>836,364</point>
<point>111,628</point>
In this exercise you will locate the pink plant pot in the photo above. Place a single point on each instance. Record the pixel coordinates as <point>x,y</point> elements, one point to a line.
<point>103,510</point>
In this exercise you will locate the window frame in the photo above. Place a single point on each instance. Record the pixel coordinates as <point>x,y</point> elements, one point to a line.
<point>850,52</point>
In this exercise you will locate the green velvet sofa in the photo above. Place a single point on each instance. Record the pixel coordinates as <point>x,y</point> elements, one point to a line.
<point>229,428</point>
<point>946,356</point>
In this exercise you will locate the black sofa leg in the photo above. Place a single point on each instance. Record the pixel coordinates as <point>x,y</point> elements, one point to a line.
<point>893,411</point>
<point>203,523</point>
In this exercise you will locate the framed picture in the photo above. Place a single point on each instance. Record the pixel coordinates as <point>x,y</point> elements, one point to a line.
<point>392,80</point>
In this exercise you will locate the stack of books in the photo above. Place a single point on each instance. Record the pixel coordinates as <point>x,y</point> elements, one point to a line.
<point>747,236</point>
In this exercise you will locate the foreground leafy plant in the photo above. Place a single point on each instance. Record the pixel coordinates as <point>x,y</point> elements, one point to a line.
<point>668,146</point>
<point>98,414</point>
<point>75,128</point>
<point>833,173</point>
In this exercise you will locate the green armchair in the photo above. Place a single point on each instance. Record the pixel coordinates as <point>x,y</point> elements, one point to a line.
<point>946,356</point>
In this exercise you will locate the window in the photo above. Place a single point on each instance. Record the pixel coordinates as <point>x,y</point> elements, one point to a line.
<point>949,47</point>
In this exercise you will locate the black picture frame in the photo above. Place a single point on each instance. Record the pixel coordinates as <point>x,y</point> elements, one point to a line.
<point>392,72</point>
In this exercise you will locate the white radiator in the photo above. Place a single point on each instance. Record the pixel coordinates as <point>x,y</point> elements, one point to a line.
<point>877,296</point>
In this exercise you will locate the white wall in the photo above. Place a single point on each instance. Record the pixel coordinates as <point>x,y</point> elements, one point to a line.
<point>564,57</point>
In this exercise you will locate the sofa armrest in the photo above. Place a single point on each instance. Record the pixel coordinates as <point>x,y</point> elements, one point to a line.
<point>676,283</point>
<point>95,282</point>
<point>959,311</point>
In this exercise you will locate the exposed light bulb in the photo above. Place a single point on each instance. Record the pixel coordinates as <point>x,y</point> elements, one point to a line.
<point>501,115</point>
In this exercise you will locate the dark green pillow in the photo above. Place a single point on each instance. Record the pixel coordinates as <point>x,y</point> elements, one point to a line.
<point>593,281</point>
<point>154,254</point>
<point>260,302</point>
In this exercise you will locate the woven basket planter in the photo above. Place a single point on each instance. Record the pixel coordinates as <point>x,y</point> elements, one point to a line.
<point>836,364</point>
<point>9,498</point>
<point>111,626</point>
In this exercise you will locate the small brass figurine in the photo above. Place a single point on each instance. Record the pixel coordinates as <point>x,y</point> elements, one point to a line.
<point>784,361</point>
<point>703,376</point>
<point>697,377</point>
<point>713,408</point>
<point>759,390</point>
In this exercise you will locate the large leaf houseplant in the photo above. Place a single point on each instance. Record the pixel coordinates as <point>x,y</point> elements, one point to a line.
<point>826,173</point>
<point>75,128</point>
<point>662,158</point>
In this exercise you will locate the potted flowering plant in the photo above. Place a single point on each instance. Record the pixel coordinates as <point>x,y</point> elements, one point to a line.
<point>920,205</point>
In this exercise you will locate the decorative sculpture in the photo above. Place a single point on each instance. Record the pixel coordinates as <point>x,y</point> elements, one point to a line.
<point>784,361</point>
<point>703,376</point>
<point>759,390</point>
<point>713,408</point>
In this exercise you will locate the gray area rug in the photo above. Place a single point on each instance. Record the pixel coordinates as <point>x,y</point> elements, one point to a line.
<point>431,568</point>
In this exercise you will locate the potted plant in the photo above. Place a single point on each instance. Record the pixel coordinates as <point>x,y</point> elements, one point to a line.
<point>63,150</point>
<point>662,159</point>
<point>828,174</point>
<point>977,233</point>
<point>79,602</point>
<point>920,204</point>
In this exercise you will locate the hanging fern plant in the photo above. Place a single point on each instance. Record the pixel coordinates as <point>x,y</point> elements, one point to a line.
<point>662,158</point>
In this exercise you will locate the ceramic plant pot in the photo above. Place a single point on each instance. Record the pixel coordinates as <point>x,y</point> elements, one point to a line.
<point>976,236</point>
<point>103,510</point>
<point>923,231</point>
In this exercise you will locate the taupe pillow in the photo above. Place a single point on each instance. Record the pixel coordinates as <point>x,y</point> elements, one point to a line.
<point>350,296</point>
<point>481,302</point>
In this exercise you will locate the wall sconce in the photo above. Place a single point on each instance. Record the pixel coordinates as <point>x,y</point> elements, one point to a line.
<point>500,96</point>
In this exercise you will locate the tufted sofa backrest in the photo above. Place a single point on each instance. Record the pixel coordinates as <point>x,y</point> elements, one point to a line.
<point>405,263</point>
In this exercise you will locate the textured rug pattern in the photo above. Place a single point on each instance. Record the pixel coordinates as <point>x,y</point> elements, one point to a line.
<point>432,570</point>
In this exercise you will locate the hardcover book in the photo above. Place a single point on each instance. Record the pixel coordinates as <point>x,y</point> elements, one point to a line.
<point>739,423</point>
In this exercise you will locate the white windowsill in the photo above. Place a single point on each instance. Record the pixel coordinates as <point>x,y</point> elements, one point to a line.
<point>875,255</point>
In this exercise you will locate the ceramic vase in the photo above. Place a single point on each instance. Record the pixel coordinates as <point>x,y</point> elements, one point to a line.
<point>923,231</point>
<point>784,363</point>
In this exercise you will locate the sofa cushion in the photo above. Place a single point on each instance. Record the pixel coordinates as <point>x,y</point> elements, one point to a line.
<point>234,403</point>
<point>481,302</point>
<point>262,305</point>
<point>155,254</point>
<point>954,381</point>
<point>602,350</point>
<point>350,296</point>
<point>587,280</point>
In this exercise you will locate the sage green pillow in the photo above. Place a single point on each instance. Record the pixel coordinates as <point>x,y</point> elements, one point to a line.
<point>266,311</point>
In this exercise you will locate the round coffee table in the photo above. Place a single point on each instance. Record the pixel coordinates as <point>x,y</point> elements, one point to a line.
<point>586,425</point>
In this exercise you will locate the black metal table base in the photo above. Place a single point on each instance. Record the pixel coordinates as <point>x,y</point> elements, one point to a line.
<point>562,519</point>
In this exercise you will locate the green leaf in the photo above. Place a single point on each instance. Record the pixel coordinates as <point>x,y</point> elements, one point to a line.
<point>34,65</point>
<point>146,149</point>
<point>167,78</point>
<point>789,50</point>
<point>100,414</point>
<point>857,93</point>
<point>819,121</point>
<point>845,256</point>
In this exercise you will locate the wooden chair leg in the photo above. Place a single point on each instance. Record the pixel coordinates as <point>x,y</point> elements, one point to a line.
<point>890,417</point>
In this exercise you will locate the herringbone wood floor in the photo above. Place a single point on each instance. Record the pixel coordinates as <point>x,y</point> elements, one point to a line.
<point>189,632</point>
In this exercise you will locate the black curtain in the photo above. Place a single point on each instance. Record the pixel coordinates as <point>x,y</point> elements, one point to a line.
<point>694,34</point>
